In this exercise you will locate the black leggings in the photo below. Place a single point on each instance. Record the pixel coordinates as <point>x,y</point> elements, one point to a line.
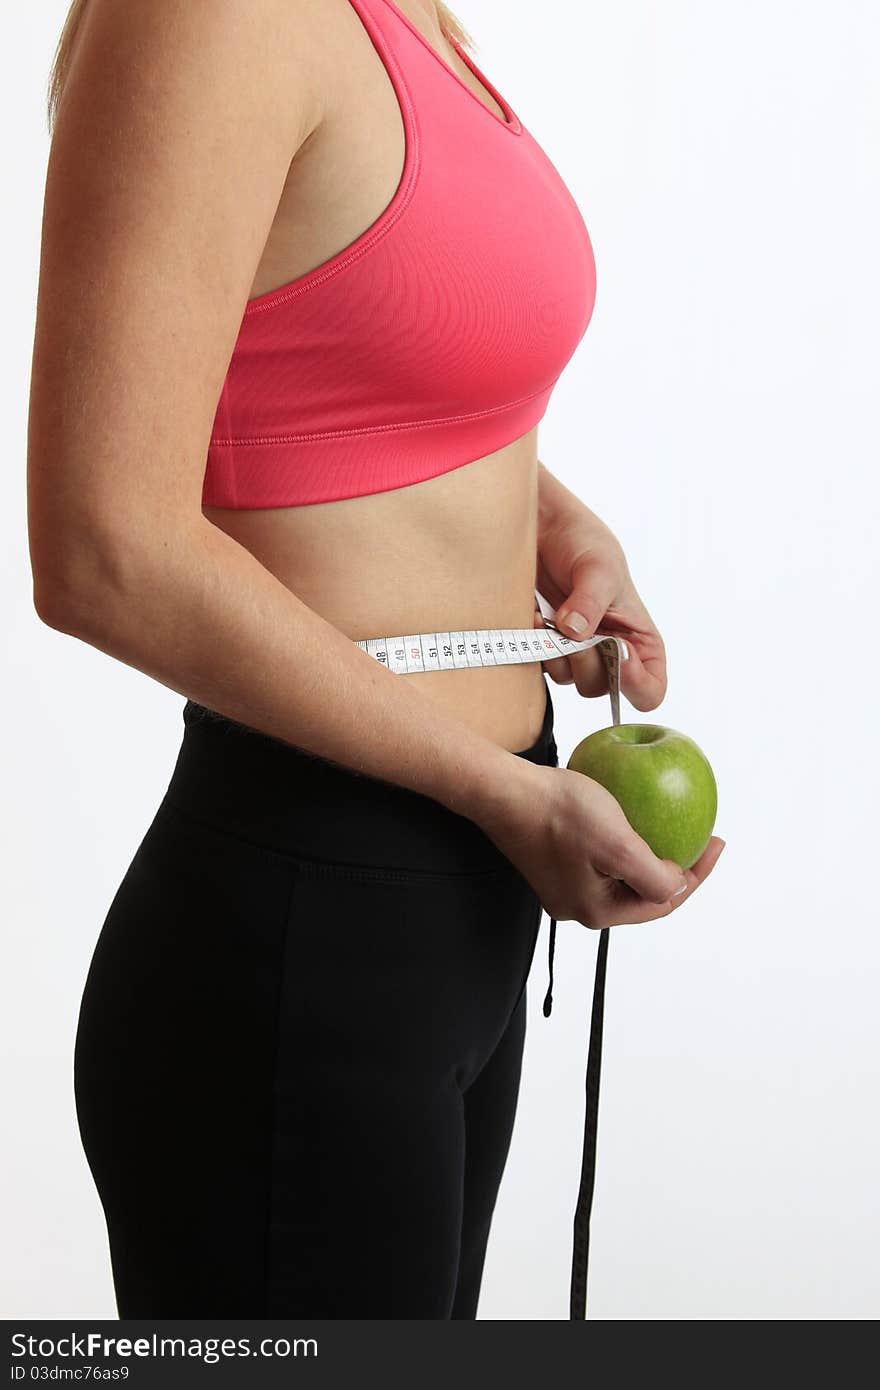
<point>300,1039</point>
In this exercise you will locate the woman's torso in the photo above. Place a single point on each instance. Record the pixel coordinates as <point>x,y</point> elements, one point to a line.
<point>456,550</point>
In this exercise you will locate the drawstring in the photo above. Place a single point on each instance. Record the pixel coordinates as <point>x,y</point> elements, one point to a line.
<point>581,1244</point>
<point>548,997</point>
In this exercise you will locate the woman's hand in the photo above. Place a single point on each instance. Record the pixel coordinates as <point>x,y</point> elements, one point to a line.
<point>582,571</point>
<point>570,839</point>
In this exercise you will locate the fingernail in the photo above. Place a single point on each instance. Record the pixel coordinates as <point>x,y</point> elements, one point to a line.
<point>683,889</point>
<point>576,621</point>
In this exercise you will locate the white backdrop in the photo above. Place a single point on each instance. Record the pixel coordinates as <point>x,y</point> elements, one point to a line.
<point>721,415</point>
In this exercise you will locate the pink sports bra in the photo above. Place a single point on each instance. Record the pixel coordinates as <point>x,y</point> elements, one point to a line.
<point>437,335</point>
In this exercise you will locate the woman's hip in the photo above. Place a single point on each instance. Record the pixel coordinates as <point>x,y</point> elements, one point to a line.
<point>284,799</point>
<point>383,914</point>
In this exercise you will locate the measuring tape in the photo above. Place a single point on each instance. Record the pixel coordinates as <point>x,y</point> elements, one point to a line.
<point>490,646</point>
<point>450,651</point>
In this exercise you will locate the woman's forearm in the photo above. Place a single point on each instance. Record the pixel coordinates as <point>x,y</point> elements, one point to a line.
<point>201,615</point>
<point>553,496</point>
<point>561,512</point>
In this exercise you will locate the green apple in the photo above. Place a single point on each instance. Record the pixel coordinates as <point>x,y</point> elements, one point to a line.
<point>661,779</point>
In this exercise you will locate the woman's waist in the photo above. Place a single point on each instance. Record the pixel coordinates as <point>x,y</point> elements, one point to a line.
<point>504,704</point>
<point>377,587</point>
<point>456,549</point>
<point>453,643</point>
<point>456,552</point>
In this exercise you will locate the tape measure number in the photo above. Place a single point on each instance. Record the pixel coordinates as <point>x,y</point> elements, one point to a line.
<point>450,651</point>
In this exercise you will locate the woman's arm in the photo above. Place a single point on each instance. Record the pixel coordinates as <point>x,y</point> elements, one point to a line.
<point>555,500</point>
<point>583,572</point>
<point>172,145</point>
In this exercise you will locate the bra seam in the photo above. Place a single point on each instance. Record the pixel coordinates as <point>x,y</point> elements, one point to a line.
<point>389,217</point>
<point>378,429</point>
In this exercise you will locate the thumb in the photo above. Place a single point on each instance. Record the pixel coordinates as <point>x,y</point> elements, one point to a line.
<point>592,594</point>
<point>656,879</point>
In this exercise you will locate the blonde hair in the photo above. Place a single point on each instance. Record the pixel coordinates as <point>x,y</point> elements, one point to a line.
<point>450,26</point>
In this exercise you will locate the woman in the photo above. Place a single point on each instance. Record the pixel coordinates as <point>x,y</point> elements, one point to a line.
<point>306,285</point>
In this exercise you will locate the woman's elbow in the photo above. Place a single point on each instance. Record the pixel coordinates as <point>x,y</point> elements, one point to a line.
<point>55,606</point>
<point>83,578</point>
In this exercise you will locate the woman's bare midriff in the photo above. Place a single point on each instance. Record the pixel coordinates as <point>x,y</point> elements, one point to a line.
<point>451,553</point>
<point>456,551</point>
